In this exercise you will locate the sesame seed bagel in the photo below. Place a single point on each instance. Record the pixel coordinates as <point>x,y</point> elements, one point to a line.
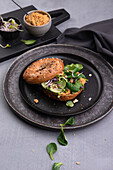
<point>43,70</point>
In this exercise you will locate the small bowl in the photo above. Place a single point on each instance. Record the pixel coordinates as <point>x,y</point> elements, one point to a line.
<point>9,34</point>
<point>38,31</point>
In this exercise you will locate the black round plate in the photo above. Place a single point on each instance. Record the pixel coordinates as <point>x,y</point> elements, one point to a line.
<point>46,105</point>
<point>37,118</point>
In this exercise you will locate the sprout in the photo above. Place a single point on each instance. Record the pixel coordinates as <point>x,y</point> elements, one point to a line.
<point>9,25</point>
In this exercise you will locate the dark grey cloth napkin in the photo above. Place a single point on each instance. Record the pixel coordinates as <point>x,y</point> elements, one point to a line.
<point>97,37</point>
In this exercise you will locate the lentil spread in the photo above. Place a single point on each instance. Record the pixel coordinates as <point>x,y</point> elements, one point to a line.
<point>37,18</point>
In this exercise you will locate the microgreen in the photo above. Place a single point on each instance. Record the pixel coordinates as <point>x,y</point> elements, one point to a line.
<point>5,46</point>
<point>51,148</point>
<point>70,121</point>
<point>29,42</point>
<point>56,166</point>
<point>62,138</point>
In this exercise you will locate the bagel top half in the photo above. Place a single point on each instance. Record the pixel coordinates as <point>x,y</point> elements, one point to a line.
<point>43,70</point>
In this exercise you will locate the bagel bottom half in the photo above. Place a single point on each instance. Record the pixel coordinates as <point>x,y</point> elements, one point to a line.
<point>63,96</point>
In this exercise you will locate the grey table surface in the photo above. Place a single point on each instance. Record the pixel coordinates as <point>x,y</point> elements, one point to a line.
<point>22,146</point>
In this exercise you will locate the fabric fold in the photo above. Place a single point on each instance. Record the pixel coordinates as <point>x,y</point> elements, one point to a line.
<point>97,37</point>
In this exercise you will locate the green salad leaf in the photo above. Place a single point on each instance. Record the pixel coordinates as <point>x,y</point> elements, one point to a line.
<point>69,103</point>
<point>56,166</point>
<point>62,138</point>
<point>29,42</point>
<point>81,75</point>
<point>70,121</point>
<point>73,67</point>
<point>78,84</point>
<point>75,76</point>
<point>74,87</point>
<point>51,148</point>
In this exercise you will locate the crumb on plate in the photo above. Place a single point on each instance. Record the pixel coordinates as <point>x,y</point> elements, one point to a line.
<point>75,100</point>
<point>90,75</point>
<point>90,99</point>
<point>36,100</point>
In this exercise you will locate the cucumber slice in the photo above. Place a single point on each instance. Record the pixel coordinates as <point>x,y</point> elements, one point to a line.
<point>54,88</point>
<point>62,84</point>
<point>44,85</point>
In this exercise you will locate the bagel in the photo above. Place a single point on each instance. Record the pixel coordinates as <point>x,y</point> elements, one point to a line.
<point>58,82</point>
<point>64,96</point>
<point>43,70</point>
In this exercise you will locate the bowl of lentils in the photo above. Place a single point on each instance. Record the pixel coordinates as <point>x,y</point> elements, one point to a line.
<point>10,27</point>
<point>37,23</point>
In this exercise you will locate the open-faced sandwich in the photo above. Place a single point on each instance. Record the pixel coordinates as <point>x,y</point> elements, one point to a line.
<point>59,82</point>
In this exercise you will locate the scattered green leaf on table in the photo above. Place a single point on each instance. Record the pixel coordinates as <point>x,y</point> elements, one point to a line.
<point>62,138</point>
<point>56,166</point>
<point>51,148</point>
<point>29,42</point>
<point>70,121</point>
<point>5,46</point>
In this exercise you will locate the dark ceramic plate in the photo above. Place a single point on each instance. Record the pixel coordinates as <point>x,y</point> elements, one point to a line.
<point>93,90</point>
<point>102,107</point>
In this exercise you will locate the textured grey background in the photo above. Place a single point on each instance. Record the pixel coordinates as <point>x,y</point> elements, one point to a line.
<point>22,146</point>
